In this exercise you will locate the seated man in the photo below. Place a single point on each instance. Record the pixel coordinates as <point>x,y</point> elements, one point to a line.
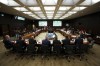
<point>66,41</point>
<point>56,41</point>
<point>32,41</point>
<point>79,42</point>
<point>21,43</point>
<point>45,47</point>
<point>46,42</point>
<point>7,42</point>
<point>56,46</point>
<point>31,46</point>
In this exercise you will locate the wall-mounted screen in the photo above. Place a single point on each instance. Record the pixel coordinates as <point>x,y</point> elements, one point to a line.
<point>57,23</point>
<point>42,23</point>
<point>19,18</point>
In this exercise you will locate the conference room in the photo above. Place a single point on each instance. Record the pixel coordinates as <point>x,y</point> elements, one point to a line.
<point>49,32</point>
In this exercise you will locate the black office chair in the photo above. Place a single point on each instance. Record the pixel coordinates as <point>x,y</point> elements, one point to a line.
<point>45,50</point>
<point>81,50</point>
<point>31,50</point>
<point>20,50</point>
<point>69,51</point>
<point>91,44</point>
<point>57,50</point>
<point>9,47</point>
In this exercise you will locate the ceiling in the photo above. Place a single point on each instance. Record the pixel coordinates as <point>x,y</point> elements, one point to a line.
<point>50,9</point>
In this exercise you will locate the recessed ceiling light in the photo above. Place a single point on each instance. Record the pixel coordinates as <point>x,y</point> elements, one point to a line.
<point>20,8</point>
<point>49,2</point>
<point>35,8</point>
<point>78,8</point>
<point>49,7</point>
<point>64,8</point>
<point>28,12</point>
<point>9,2</point>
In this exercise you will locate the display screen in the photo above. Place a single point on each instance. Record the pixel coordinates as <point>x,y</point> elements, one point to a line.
<point>42,23</point>
<point>57,23</point>
<point>50,35</point>
<point>19,18</point>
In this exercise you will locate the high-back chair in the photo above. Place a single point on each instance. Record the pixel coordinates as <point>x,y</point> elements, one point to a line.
<point>69,51</point>
<point>81,50</point>
<point>31,50</point>
<point>45,50</point>
<point>57,48</point>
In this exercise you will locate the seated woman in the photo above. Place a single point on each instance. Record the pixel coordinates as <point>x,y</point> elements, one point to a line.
<point>8,43</point>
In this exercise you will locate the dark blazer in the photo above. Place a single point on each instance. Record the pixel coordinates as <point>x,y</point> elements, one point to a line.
<point>21,43</point>
<point>66,41</point>
<point>46,42</point>
<point>79,41</point>
<point>8,44</point>
<point>56,42</point>
<point>32,41</point>
<point>57,46</point>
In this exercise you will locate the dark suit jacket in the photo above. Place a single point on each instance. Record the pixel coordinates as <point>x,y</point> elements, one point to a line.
<point>57,46</point>
<point>46,42</point>
<point>21,43</point>
<point>66,42</point>
<point>8,44</point>
<point>32,41</point>
<point>79,41</point>
<point>56,42</point>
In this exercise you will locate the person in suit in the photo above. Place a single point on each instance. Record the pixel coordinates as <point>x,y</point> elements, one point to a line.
<point>45,47</point>
<point>66,41</point>
<point>32,41</point>
<point>31,46</point>
<point>78,44</point>
<point>46,42</point>
<point>21,43</point>
<point>79,41</point>
<point>57,48</point>
<point>56,41</point>
<point>8,43</point>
